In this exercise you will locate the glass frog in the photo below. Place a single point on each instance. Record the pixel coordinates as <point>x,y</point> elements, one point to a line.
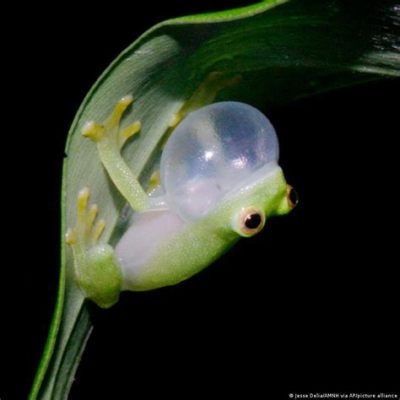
<point>219,181</point>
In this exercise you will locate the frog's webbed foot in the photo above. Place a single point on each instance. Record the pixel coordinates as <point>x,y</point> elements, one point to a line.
<point>205,94</point>
<point>109,132</point>
<point>86,233</point>
<point>96,270</point>
<point>110,138</point>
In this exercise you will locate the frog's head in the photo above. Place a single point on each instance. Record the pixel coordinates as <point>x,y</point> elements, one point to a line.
<point>265,194</point>
<point>221,163</point>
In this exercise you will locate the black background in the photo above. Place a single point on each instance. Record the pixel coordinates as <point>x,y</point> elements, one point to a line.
<point>310,304</point>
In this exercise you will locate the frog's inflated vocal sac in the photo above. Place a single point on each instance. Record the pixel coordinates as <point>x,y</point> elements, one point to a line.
<point>219,180</point>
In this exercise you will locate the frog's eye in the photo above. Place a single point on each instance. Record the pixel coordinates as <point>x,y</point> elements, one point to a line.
<point>251,221</point>
<point>212,152</point>
<point>292,196</point>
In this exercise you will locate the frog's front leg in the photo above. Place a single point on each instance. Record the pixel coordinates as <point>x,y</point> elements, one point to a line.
<point>110,139</point>
<point>96,269</point>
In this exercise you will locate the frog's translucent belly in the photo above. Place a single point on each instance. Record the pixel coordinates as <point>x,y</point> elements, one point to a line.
<point>148,231</point>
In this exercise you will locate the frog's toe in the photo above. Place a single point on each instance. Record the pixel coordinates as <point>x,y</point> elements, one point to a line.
<point>128,132</point>
<point>91,215</point>
<point>98,230</point>
<point>93,131</point>
<point>83,199</point>
<point>70,237</point>
<point>87,231</point>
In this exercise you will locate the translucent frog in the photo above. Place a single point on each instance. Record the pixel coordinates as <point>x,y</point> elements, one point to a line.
<point>219,180</point>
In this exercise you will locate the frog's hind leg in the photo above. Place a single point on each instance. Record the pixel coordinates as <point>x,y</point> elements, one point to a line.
<point>110,139</point>
<point>205,94</point>
<point>96,269</point>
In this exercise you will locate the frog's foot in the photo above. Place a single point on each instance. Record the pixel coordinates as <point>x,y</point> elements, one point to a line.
<point>205,94</point>
<point>109,131</point>
<point>86,232</point>
<point>96,269</point>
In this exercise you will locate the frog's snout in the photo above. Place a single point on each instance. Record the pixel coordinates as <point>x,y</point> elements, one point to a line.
<point>292,196</point>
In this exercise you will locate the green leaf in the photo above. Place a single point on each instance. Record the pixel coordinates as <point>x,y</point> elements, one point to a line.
<point>282,49</point>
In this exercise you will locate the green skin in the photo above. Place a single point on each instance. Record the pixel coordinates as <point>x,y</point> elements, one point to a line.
<point>198,244</point>
<point>202,242</point>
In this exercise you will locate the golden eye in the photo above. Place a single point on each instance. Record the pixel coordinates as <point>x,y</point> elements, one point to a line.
<point>292,197</point>
<point>251,221</point>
